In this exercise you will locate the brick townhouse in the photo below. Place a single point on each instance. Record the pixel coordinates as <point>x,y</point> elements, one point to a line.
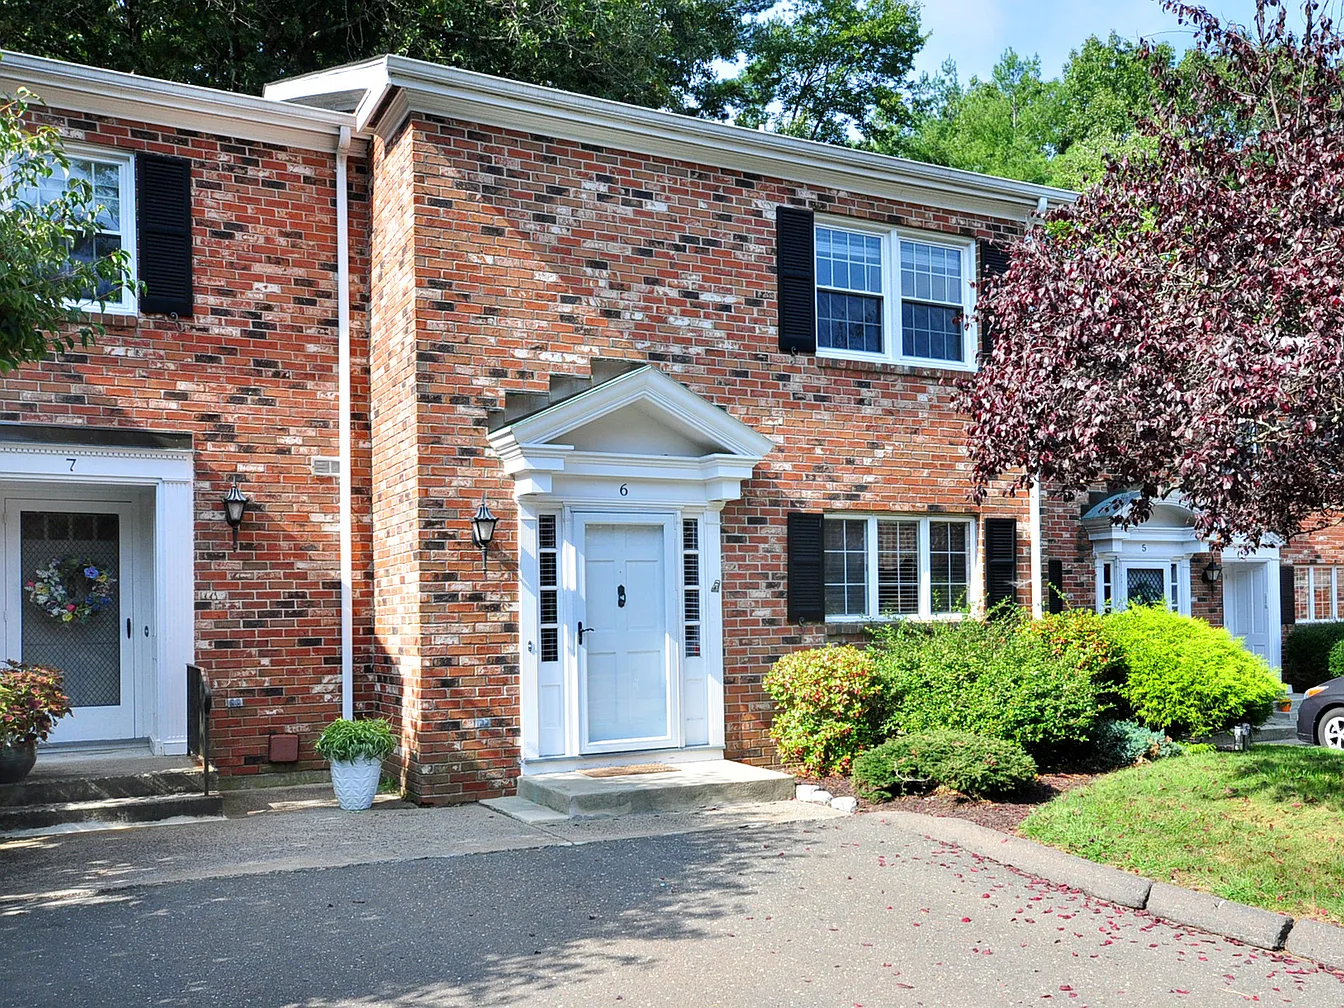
<point>701,376</point>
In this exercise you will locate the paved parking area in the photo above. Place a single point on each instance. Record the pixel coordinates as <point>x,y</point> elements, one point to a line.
<point>851,912</point>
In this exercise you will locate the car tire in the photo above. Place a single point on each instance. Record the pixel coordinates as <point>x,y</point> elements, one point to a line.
<point>1330,729</point>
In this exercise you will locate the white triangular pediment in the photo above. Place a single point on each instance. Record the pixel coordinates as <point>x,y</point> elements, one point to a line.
<point>644,421</point>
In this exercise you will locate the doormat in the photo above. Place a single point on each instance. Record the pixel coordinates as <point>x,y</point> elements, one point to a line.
<point>629,771</point>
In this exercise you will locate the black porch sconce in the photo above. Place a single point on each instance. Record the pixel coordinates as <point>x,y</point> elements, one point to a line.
<point>1213,573</point>
<point>483,530</point>
<point>235,503</point>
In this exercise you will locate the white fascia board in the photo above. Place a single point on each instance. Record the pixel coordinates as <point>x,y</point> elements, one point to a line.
<point>61,85</point>
<point>481,98</point>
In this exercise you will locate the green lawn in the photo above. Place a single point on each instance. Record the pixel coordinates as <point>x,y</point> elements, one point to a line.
<point>1264,827</point>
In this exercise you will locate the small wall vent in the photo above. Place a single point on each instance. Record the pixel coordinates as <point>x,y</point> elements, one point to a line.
<point>326,465</point>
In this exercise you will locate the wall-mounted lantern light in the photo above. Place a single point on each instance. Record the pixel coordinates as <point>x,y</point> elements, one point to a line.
<point>1213,573</point>
<point>483,530</point>
<point>235,503</point>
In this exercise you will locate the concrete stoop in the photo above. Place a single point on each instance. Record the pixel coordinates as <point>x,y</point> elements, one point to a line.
<point>558,797</point>
<point>89,788</point>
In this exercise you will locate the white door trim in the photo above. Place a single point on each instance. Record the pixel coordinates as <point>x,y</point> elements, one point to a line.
<point>168,472</point>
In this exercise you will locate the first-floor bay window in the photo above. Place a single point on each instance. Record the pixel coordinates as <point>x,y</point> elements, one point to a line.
<point>880,567</point>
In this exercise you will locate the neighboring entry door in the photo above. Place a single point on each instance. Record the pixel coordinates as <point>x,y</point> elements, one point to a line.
<point>1246,608</point>
<point>95,647</point>
<point>624,652</point>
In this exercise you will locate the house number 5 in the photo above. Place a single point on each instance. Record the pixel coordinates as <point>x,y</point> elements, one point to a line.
<point>625,489</point>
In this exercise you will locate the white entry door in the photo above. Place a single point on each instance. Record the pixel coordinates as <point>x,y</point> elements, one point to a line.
<point>625,654</point>
<point>95,649</point>
<point>1246,608</point>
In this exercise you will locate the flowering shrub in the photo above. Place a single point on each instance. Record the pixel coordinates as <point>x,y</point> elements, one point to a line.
<point>70,590</point>
<point>1079,635</point>
<point>31,702</point>
<point>825,707</point>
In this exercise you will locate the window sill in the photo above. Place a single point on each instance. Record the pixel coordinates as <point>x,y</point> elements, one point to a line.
<point>111,320</point>
<point>950,372</point>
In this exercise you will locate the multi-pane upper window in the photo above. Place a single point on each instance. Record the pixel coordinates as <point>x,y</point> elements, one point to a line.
<point>111,180</point>
<point>877,568</point>
<point>893,297</point>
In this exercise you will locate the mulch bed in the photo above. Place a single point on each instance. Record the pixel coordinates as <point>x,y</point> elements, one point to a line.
<point>999,815</point>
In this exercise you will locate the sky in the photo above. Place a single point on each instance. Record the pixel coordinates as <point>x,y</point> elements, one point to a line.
<point>976,32</point>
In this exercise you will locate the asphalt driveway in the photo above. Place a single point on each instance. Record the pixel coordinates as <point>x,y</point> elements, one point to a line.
<point>840,912</point>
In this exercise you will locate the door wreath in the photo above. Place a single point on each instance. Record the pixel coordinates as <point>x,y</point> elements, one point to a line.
<point>71,589</point>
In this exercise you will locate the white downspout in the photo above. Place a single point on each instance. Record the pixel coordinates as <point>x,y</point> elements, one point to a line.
<point>1034,531</point>
<point>344,407</point>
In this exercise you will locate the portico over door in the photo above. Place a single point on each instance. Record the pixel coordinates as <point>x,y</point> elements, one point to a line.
<point>619,490</point>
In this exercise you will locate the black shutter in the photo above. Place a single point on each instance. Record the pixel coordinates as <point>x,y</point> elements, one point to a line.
<point>796,266</point>
<point>1000,561</point>
<point>1054,586</point>
<point>163,238</point>
<point>807,603</point>
<point>994,261</point>
<point>1287,595</point>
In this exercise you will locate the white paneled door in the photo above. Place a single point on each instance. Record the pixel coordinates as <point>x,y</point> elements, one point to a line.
<point>1246,608</point>
<point>625,654</point>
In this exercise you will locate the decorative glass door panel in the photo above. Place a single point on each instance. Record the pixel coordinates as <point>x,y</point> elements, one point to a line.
<point>71,593</point>
<point>1145,585</point>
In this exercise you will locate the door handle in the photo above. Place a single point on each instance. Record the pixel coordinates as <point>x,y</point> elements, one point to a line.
<point>128,628</point>
<point>583,630</point>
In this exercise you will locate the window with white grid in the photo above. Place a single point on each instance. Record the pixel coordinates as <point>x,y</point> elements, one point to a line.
<point>690,567</point>
<point>889,567</point>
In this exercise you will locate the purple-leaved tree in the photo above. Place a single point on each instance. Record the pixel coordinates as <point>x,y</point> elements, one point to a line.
<point>1180,328</point>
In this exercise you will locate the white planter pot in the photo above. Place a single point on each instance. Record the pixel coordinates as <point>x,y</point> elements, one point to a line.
<point>355,782</point>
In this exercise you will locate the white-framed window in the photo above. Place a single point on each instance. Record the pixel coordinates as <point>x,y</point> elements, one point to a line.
<point>887,567</point>
<point>1321,589</point>
<point>111,174</point>
<point>1122,582</point>
<point>894,295</point>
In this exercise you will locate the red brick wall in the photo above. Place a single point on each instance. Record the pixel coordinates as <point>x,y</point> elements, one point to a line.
<point>534,256</point>
<point>252,376</point>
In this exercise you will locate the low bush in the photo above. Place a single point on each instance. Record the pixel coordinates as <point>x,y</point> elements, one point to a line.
<point>1307,652</point>
<point>968,763</point>
<point>1336,664</point>
<point>825,707</point>
<point>1118,744</point>
<point>996,678</point>
<point>1186,677</point>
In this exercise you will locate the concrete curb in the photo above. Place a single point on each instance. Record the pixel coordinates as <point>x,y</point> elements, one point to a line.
<point>1265,929</point>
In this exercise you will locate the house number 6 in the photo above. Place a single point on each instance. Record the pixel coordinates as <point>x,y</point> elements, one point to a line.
<point>625,489</point>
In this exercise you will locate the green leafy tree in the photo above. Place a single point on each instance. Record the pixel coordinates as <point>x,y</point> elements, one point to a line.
<point>650,52</point>
<point>47,262</point>
<point>829,70</point>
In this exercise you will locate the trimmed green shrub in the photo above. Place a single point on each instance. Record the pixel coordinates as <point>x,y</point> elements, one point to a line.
<point>1336,663</point>
<point>992,678</point>
<point>968,763</point>
<point>1186,677</point>
<point>344,741</point>
<point>1118,744</point>
<point>1307,653</point>
<point>825,707</point>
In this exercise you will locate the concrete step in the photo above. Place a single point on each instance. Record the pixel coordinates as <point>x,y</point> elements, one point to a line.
<point>707,784</point>
<point>47,790</point>
<point>110,811</point>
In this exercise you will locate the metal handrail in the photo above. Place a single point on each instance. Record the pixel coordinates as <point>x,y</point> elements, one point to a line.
<point>200,699</point>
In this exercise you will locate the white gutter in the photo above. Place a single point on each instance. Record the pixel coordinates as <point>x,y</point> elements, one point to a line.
<point>343,408</point>
<point>1034,531</point>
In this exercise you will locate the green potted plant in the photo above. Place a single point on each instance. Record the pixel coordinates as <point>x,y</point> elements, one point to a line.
<point>355,750</point>
<point>32,700</point>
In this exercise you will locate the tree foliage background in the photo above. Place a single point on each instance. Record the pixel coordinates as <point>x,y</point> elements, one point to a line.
<point>1178,328</point>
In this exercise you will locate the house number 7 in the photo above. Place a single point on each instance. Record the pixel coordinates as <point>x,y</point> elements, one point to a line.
<point>72,462</point>
<point>625,489</point>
